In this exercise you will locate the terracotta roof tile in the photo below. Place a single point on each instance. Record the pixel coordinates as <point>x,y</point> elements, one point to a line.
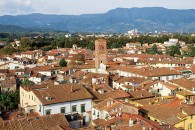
<point>169,113</point>
<point>115,94</point>
<point>38,123</point>
<point>59,93</point>
<point>183,83</point>
<point>140,94</point>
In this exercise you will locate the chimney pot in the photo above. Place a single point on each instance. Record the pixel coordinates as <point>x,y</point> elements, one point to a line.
<point>94,89</point>
<point>71,89</point>
<point>130,122</point>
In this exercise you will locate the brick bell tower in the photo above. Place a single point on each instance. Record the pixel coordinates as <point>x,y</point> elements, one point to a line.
<point>100,53</point>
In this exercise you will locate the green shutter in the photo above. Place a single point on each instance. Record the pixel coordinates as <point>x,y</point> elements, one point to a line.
<point>63,109</point>
<point>83,108</point>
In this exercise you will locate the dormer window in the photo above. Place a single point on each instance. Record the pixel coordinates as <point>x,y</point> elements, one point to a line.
<point>48,98</point>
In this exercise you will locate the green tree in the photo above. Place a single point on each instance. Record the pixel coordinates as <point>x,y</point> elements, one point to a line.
<point>155,49</point>
<point>62,62</point>
<point>172,50</point>
<point>27,82</point>
<point>9,101</point>
<point>191,51</point>
<point>114,45</point>
<point>91,45</point>
<point>7,50</point>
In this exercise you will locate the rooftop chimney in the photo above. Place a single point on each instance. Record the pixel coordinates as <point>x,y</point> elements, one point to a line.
<point>108,103</point>
<point>112,101</point>
<point>130,122</point>
<point>94,88</point>
<point>71,89</point>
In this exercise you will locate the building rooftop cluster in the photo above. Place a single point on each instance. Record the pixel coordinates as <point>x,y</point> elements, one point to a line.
<point>100,89</point>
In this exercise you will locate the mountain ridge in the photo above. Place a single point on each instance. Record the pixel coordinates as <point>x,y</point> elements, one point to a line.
<point>116,20</point>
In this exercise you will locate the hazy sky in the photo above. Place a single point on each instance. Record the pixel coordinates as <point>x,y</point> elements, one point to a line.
<point>15,7</point>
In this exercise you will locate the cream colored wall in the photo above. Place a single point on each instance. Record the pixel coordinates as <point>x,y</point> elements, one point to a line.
<point>92,70</point>
<point>28,100</point>
<point>28,56</point>
<point>4,66</point>
<point>186,123</point>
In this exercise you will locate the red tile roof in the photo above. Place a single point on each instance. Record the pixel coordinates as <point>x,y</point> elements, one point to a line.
<point>59,93</point>
<point>38,123</point>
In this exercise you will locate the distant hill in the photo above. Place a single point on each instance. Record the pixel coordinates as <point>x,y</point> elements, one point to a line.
<point>116,20</point>
<point>11,29</point>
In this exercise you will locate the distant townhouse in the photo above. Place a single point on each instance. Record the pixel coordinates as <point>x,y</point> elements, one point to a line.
<point>135,44</point>
<point>171,42</point>
<point>36,77</point>
<point>28,54</point>
<point>7,86</point>
<point>19,71</point>
<point>3,74</point>
<point>51,56</point>
<point>163,88</point>
<point>167,62</point>
<point>102,92</point>
<point>135,57</point>
<point>140,94</point>
<point>148,72</point>
<point>128,83</point>
<point>3,43</point>
<point>110,108</point>
<point>129,122</point>
<point>95,79</point>
<point>47,70</point>
<point>174,113</point>
<point>13,66</point>
<point>86,68</point>
<point>184,84</point>
<point>186,89</point>
<point>76,76</point>
<point>66,71</point>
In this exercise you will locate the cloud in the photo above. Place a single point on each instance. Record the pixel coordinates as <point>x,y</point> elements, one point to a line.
<point>14,7</point>
<point>24,3</point>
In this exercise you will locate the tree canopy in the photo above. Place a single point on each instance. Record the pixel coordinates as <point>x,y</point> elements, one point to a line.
<point>8,50</point>
<point>173,50</point>
<point>62,62</point>
<point>9,101</point>
<point>27,82</point>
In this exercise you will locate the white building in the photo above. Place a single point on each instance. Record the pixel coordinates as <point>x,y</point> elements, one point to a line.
<point>36,78</point>
<point>28,54</point>
<point>13,66</point>
<point>164,89</point>
<point>171,42</point>
<point>86,68</point>
<point>149,73</point>
<point>51,56</point>
<point>46,72</point>
<point>53,99</point>
<point>133,44</point>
